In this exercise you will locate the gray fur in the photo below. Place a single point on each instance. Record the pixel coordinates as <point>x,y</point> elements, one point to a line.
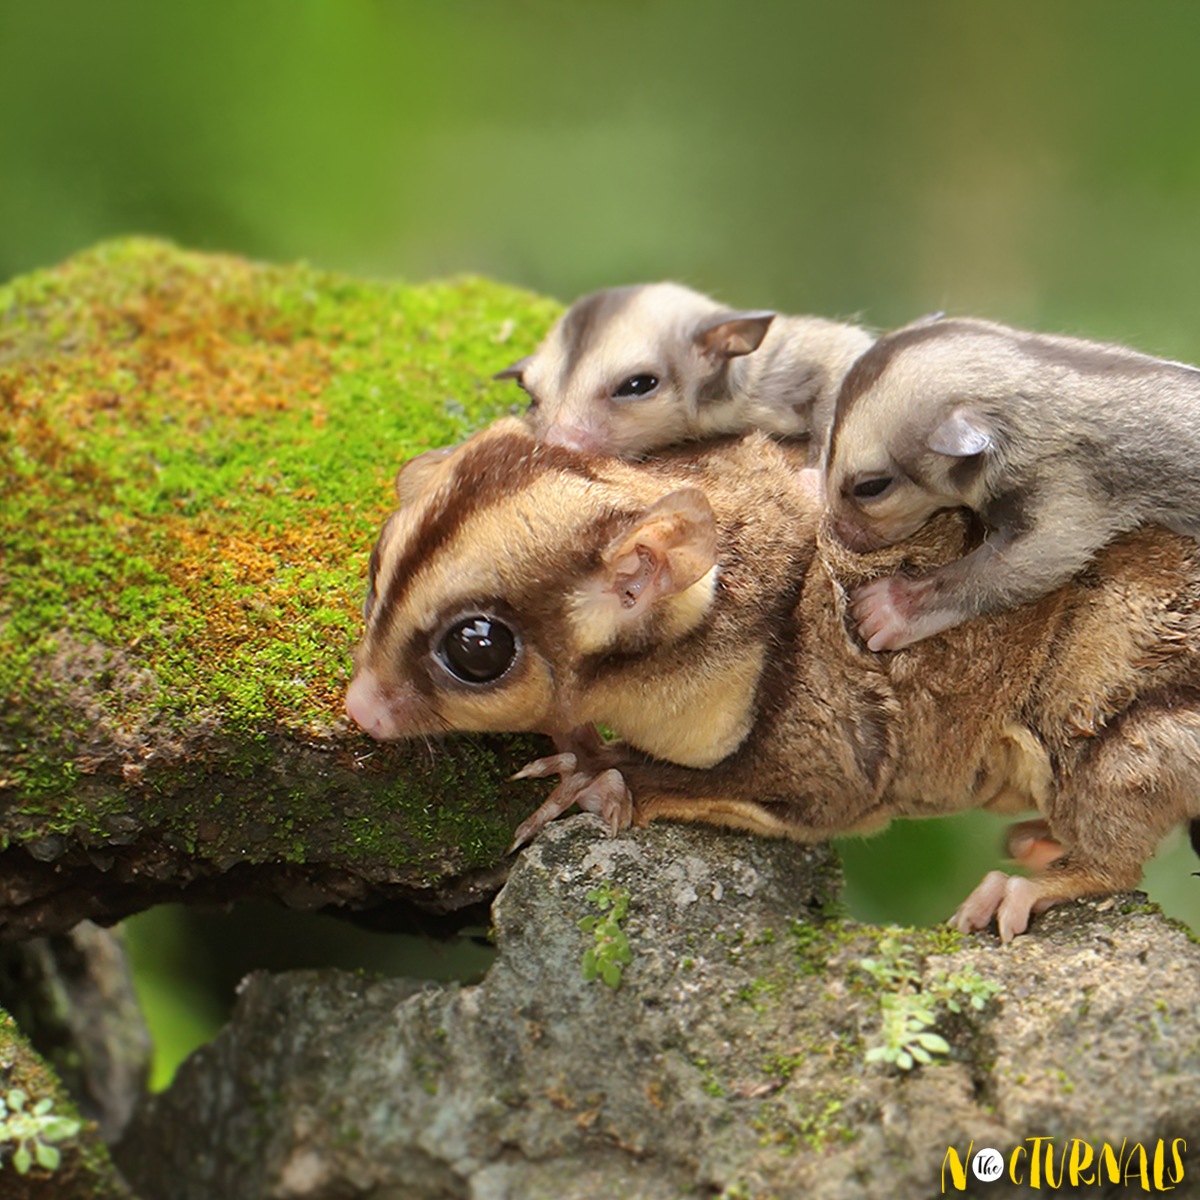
<point>718,371</point>
<point>1062,445</point>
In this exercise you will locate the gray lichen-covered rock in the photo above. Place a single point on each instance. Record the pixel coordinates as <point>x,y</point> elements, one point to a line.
<point>735,1058</point>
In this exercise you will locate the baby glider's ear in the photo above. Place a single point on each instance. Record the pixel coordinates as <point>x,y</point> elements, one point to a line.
<point>730,334</point>
<point>671,545</point>
<point>516,370</point>
<point>960,435</point>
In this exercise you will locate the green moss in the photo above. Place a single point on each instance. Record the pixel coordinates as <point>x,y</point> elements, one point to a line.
<point>195,455</point>
<point>782,1066</point>
<point>817,1122</point>
<point>938,939</point>
<point>814,942</point>
<point>756,991</point>
<point>197,458</point>
<point>85,1169</point>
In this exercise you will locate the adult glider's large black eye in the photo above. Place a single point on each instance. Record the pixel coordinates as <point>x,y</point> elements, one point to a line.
<point>868,489</point>
<point>478,649</point>
<point>635,387</point>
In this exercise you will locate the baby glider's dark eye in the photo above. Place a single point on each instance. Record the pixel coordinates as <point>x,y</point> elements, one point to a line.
<point>869,489</point>
<point>635,387</point>
<point>478,649</point>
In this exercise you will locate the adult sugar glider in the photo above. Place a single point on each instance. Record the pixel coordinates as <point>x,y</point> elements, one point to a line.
<point>693,604</point>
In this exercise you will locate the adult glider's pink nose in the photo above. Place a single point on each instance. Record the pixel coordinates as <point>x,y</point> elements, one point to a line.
<point>369,707</point>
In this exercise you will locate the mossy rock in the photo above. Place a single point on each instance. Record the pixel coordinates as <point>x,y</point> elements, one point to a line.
<point>196,454</point>
<point>84,1170</point>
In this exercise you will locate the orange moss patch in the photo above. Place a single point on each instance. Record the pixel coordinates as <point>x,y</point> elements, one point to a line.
<point>196,452</point>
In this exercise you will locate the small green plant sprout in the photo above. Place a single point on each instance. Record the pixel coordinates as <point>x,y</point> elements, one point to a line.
<point>33,1130</point>
<point>909,1008</point>
<point>963,988</point>
<point>610,954</point>
<point>894,968</point>
<point>905,1038</point>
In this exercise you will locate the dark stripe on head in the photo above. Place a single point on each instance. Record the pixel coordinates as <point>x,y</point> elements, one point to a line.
<point>584,318</point>
<point>373,567</point>
<point>868,368</point>
<point>484,472</point>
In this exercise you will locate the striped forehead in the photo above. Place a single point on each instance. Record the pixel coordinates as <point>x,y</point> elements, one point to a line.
<point>587,319</point>
<point>871,365</point>
<point>616,331</point>
<point>495,497</point>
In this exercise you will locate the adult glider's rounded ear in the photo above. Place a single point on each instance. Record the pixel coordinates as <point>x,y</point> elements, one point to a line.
<point>670,546</point>
<point>415,473</point>
<point>661,564</point>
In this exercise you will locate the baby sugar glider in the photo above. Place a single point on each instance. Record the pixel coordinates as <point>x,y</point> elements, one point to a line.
<point>628,370</point>
<point>1056,443</point>
<point>693,603</point>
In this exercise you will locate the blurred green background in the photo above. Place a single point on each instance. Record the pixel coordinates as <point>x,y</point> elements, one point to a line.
<point>1033,162</point>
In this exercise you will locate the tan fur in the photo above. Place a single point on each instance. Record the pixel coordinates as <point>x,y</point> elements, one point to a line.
<point>1084,705</point>
<point>1020,770</point>
<point>597,619</point>
<point>698,717</point>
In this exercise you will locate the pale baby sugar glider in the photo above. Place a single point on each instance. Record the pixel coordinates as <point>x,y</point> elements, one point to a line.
<point>1057,445</point>
<point>628,370</point>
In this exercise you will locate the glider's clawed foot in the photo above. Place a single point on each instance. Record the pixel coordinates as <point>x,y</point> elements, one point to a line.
<point>895,611</point>
<point>1009,898</point>
<point>601,792</point>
